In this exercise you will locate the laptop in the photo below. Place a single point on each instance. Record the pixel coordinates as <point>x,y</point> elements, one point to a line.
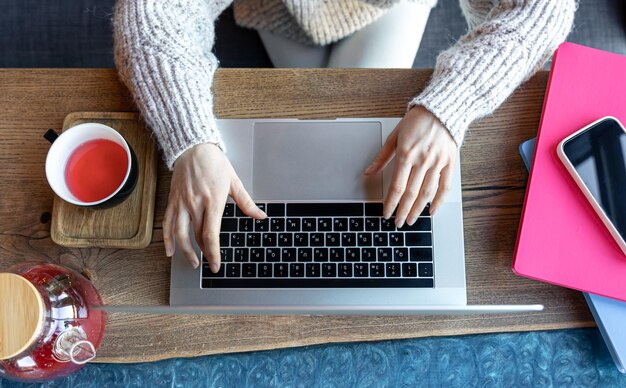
<point>325,248</point>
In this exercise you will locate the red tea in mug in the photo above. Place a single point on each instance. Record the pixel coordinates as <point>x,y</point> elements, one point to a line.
<point>96,169</point>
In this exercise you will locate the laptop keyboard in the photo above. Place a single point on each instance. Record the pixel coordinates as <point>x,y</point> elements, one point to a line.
<point>322,245</point>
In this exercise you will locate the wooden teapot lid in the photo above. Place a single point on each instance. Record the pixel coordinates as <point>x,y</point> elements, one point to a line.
<point>21,314</point>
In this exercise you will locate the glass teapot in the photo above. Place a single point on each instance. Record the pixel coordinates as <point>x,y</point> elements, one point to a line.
<point>48,327</point>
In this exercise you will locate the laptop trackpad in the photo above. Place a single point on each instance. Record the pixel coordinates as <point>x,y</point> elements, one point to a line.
<point>315,161</point>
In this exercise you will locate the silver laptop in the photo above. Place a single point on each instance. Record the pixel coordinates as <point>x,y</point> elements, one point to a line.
<point>325,249</point>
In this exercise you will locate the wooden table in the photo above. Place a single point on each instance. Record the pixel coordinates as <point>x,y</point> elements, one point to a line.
<point>494,181</point>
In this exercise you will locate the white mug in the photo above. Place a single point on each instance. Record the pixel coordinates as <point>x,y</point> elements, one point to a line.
<point>64,145</point>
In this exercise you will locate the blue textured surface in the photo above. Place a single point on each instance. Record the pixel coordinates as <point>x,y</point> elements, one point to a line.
<point>554,358</point>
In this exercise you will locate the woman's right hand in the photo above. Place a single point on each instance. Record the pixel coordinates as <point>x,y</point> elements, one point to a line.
<point>202,180</point>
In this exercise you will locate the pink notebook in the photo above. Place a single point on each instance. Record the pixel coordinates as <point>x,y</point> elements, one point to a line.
<point>561,239</point>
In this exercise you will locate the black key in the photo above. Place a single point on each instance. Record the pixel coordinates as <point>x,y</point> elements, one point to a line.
<point>372,224</point>
<point>233,270</point>
<point>308,224</point>
<point>239,213</point>
<point>409,270</point>
<point>384,254</point>
<point>269,239</point>
<point>253,239</point>
<point>265,270</point>
<point>413,239</point>
<point>340,224</point>
<point>288,254</point>
<point>262,225</point>
<point>207,273</point>
<point>330,282</point>
<point>224,240</point>
<point>325,224</point>
<point>226,255</point>
<point>293,224</point>
<point>380,240</point>
<point>396,239</point>
<point>281,270</point>
<point>301,239</point>
<point>229,225</point>
<point>320,254</point>
<point>324,209</point>
<point>312,270</point>
<point>275,209</point>
<point>400,254</point>
<point>237,239</point>
<point>377,270</point>
<point>425,270</point>
<point>272,255</point>
<point>426,211</point>
<point>277,224</point>
<point>296,270</point>
<point>248,270</point>
<point>246,225</point>
<point>329,270</point>
<point>423,224</point>
<point>305,254</point>
<point>387,225</point>
<point>285,239</point>
<point>257,255</point>
<point>421,254</point>
<point>241,255</point>
<point>229,210</point>
<point>333,239</point>
<point>360,270</point>
<point>368,254</point>
<point>356,224</point>
<point>261,206</point>
<point>393,270</point>
<point>345,270</point>
<point>316,239</point>
<point>336,254</point>
<point>348,239</point>
<point>353,254</point>
<point>374,209</point>
<point>364,239</point>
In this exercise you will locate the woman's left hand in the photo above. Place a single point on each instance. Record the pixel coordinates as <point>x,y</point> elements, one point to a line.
<point>425,154</point>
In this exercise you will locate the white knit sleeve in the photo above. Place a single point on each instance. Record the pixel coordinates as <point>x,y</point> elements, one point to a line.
<point>163,54</point>
<point>472,78</point>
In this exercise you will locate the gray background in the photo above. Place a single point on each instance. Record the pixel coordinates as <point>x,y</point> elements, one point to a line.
<point>77,33</point>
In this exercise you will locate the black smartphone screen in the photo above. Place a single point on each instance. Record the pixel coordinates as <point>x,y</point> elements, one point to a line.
<point>599,156</point>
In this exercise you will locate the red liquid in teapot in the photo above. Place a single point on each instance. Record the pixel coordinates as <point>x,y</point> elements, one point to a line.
<point>96,169</point>
<point>69,306</point>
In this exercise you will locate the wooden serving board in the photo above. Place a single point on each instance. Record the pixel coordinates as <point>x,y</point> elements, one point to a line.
<point>127,225</point>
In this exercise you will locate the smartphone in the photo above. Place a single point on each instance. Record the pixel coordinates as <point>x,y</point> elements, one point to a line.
<point>595,156</point>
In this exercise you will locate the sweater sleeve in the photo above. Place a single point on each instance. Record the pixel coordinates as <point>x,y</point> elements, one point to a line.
<point>163,55</point>
<point>506,45</point>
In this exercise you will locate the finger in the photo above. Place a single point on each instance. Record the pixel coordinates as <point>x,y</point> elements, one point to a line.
<point>197,218</point>
<point>445,184</point>
<point>211,234</point>
<point>397,187</point>
<point>168,227</point>
<point>410,194</point>
<point>426,193</point>
<point>244,201</point>
<point>384,156</point>
<point>182,237</point>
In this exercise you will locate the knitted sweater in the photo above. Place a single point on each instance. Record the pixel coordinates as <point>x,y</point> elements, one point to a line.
<point>163,54</point>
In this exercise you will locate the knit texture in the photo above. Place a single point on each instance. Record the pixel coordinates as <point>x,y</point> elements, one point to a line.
<point>504,48</point>
<point>163,54</point>
<point>315,22</point>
